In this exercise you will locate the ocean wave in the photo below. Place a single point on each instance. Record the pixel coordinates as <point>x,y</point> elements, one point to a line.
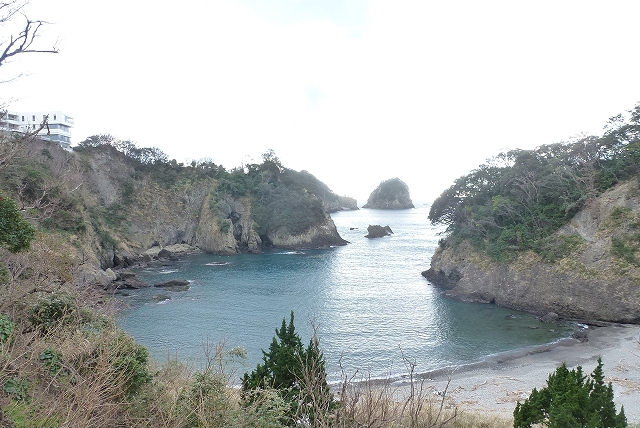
<point>217,264</point>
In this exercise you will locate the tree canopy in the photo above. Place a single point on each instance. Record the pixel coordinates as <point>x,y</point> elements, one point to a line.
<point>297,373</point>
<point>570,399</point>
<point>517,199</point>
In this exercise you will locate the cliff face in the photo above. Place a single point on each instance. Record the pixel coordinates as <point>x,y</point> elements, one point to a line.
<point>598,280</point>
<point>136,210</point>
<point>391,194</point>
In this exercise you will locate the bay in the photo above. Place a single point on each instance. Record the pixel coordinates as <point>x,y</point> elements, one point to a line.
<point>371,307</point>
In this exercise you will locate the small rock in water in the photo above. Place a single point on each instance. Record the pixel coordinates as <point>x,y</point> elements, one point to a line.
<point>160,298</point>
<point>174,285</point>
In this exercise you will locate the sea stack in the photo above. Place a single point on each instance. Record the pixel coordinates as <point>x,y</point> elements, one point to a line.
<point>392,194</point>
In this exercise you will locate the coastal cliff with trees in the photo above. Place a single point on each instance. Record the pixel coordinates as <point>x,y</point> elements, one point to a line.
<point>550,230</point>
<point>116,201</point>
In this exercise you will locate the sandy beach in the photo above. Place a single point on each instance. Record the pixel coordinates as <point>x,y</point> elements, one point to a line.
<point>494,386</point>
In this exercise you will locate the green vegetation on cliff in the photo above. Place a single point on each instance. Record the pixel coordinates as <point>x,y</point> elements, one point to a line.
<point>518,199</point>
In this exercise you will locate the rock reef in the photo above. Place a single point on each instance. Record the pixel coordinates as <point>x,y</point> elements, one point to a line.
<point>377,231</point>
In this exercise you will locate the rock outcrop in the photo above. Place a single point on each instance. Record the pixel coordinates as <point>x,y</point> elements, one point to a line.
<point>174,285</point>
<point>142,214</point>
<point>341,203</point>
<point>377,231</point>
<point>392,194</point>
<point>594,282</point>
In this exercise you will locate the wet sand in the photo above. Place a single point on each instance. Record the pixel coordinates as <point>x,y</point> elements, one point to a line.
<point>494,386</point>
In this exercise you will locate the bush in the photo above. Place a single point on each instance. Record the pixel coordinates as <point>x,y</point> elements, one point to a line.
<point>6,329</point>
<point>15,232</point>
<point>54,310</point>
<point>571,400</point>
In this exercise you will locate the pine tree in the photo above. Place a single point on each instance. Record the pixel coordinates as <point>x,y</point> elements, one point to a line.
<point>298,374</point>
<point>571,400</point>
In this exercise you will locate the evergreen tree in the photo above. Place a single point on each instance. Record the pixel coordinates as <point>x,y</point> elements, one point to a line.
<point>15,232</point>
<point>571,400</point>
<point>298,374</point>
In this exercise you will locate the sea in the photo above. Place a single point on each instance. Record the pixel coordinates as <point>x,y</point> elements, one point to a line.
<point>374,314</point>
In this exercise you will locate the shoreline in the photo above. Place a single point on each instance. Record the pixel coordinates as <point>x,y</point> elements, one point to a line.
<point>494,385</point>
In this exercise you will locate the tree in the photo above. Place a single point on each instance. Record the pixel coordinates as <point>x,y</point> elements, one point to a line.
<point>571,400</point>
<point>23,42</point>
<point>298,374</point>
<point>15,232</point>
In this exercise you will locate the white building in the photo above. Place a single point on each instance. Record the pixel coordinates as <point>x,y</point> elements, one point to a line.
<point>58,129</point>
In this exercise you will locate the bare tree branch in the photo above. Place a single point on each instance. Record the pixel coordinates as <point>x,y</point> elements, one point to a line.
<point>24,41</point>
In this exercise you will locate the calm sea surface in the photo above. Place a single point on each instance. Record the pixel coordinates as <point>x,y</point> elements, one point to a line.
<point>368,299</point>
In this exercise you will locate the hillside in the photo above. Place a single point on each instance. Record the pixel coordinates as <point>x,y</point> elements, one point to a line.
<point>117,201</point>
<point>555,229</point>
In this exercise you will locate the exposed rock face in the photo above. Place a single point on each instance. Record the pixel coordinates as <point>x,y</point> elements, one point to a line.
<point>592,283</point>
<point>377,231</point>
<point>391,194</point>
<point>151,219</point>
<point>340,203</point>
<point>324,234</point>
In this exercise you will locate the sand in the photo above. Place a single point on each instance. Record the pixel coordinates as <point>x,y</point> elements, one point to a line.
<point>494,386</point>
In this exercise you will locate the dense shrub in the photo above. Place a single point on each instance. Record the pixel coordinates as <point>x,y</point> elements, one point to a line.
<point>54,310</point>
<point>570,399</point>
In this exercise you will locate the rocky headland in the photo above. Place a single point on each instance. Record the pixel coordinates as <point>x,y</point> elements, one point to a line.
<point>596,281</point>
<point>392,194</point>
<point>124,206</point>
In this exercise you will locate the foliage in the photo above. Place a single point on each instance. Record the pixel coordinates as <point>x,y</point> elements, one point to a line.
<point>54,310</point>
<point>286,367</point>
<point>17,388</point>
<point>15,232</point>
<point>52,361</point>
<point>6,329</point>
<point>519,198</point>
<point>571,400</point>
<point>128,363</point>
<point>282,200</point>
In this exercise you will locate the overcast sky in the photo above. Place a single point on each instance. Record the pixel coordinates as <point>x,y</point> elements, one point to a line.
<point>354,92</point>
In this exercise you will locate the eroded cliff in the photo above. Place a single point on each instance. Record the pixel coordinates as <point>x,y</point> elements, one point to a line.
<point>133,207</point>
<point>598,280</point>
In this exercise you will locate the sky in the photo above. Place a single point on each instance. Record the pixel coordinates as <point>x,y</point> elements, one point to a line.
<point>354,92</point>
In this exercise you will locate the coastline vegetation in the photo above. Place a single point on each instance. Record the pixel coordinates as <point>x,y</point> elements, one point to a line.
<point>518,199</point>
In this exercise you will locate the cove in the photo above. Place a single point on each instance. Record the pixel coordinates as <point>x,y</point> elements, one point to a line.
<point>368,301</point>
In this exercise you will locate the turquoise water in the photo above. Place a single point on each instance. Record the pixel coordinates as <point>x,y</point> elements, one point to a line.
<point>368,300</point>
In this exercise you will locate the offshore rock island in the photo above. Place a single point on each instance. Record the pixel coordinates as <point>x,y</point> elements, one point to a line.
<point>392,194</point>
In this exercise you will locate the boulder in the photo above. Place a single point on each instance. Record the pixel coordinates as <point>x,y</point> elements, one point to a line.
<point>127,280</point>
<point>174,285</point>
<point>550,317</point>
<point>377,231</point>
